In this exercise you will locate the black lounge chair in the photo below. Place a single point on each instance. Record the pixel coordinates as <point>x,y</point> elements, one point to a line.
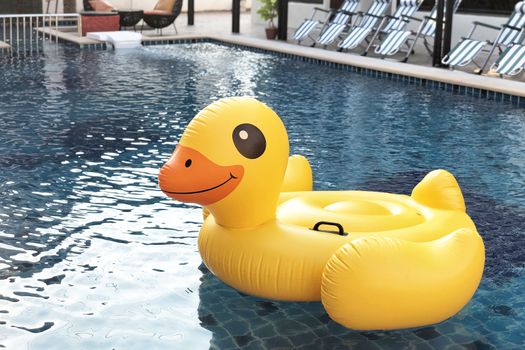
<point>160,17</point>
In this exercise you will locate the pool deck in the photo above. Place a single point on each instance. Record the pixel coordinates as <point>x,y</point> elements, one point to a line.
<point>216,26</point>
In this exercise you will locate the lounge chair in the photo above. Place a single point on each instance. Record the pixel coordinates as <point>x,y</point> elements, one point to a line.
<point>370,17</point>
<point>339,16</point>
<point>367,24</point>
<point>468,48</point>
<point>398,21</point>
<point>332,30</point>
<point>164,14</point>
<point>397,38</point>
<point>511,62</point>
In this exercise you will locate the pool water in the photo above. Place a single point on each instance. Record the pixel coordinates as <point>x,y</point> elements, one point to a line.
<point>94,256</point>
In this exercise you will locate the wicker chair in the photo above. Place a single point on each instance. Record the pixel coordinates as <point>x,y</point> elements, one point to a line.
<point>160,17</point>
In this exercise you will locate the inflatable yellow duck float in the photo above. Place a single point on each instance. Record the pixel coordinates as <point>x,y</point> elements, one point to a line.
<point>375,260</point>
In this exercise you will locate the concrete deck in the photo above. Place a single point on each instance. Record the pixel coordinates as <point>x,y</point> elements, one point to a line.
<point>218,26</point>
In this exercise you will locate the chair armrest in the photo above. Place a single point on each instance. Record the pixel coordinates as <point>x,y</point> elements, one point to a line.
<point>371,15</point>
<point>512,27</point>
<point>476,23</point>
<point>412,18</point>
<point>400,18</point>
<point>351,13</point>
<point>322,10</point>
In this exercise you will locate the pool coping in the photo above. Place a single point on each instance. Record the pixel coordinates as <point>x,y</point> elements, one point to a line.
<point>460,82</point>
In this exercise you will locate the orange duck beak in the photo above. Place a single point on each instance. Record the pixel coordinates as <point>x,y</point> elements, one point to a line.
<point>191,177</point>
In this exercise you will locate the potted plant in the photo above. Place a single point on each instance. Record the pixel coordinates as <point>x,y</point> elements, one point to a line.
<point>268,11</point>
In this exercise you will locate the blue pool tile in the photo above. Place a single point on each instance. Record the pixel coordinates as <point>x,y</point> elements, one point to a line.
<point>427,333</point>
<point>243,340</point>
<point>483,94</point>
<point>224,343</point>
<point>278,342</point>
<point>480,344</point>
<point>236,327</point>
<point>266,331</point>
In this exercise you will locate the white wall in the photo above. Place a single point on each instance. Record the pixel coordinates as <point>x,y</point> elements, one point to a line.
<point>463,24</point>
<point>297,12</point>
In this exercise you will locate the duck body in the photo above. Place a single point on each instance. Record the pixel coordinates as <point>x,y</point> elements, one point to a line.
<point>397,255</point>
<point>375,260</point>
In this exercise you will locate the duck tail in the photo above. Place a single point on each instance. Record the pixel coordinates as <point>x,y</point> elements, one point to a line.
<point>439,189</point>
<point>298,176</point>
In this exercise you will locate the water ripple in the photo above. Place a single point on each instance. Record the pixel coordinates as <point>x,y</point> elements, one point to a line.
<point>92,254</point>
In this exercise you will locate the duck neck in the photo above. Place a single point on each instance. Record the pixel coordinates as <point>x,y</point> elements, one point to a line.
<point>247,211</point>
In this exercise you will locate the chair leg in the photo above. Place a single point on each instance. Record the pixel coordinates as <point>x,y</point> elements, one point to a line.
<point>374,37</point>
<point>371,42</point>
<point>491,52</point>
<point>411,48</point>
<point>174,26</point>
<point>142,28</point>
<point>427,46</point>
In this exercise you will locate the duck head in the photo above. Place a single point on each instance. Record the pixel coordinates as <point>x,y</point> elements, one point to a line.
<point>231,159</point>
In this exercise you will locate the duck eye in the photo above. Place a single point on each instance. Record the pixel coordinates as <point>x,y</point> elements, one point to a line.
<point>249,140</point>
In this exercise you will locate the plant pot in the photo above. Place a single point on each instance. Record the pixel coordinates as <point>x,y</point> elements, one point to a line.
<point>271,33</point>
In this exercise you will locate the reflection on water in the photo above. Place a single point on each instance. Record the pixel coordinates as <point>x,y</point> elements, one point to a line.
<point>92,255</point>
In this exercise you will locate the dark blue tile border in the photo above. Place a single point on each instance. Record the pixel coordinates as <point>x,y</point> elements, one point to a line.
<point>429,84</point>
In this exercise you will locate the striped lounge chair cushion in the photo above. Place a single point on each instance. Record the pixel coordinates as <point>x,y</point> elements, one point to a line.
<point>511,62</point>
<point>368,22</point>
<point>429,26</point>
<point>464,52</point>
<point>378,8</point>
<point>354,38</point>
<point>392,43</point>
<point>517,20</point>
<point>306,28</point>
<point>350,5</point>
<point>405,8</point>
<point>331,33</point>
<point>341,16</point>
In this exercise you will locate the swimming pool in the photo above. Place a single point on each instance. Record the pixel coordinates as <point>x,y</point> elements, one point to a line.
<point>93,255</point>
